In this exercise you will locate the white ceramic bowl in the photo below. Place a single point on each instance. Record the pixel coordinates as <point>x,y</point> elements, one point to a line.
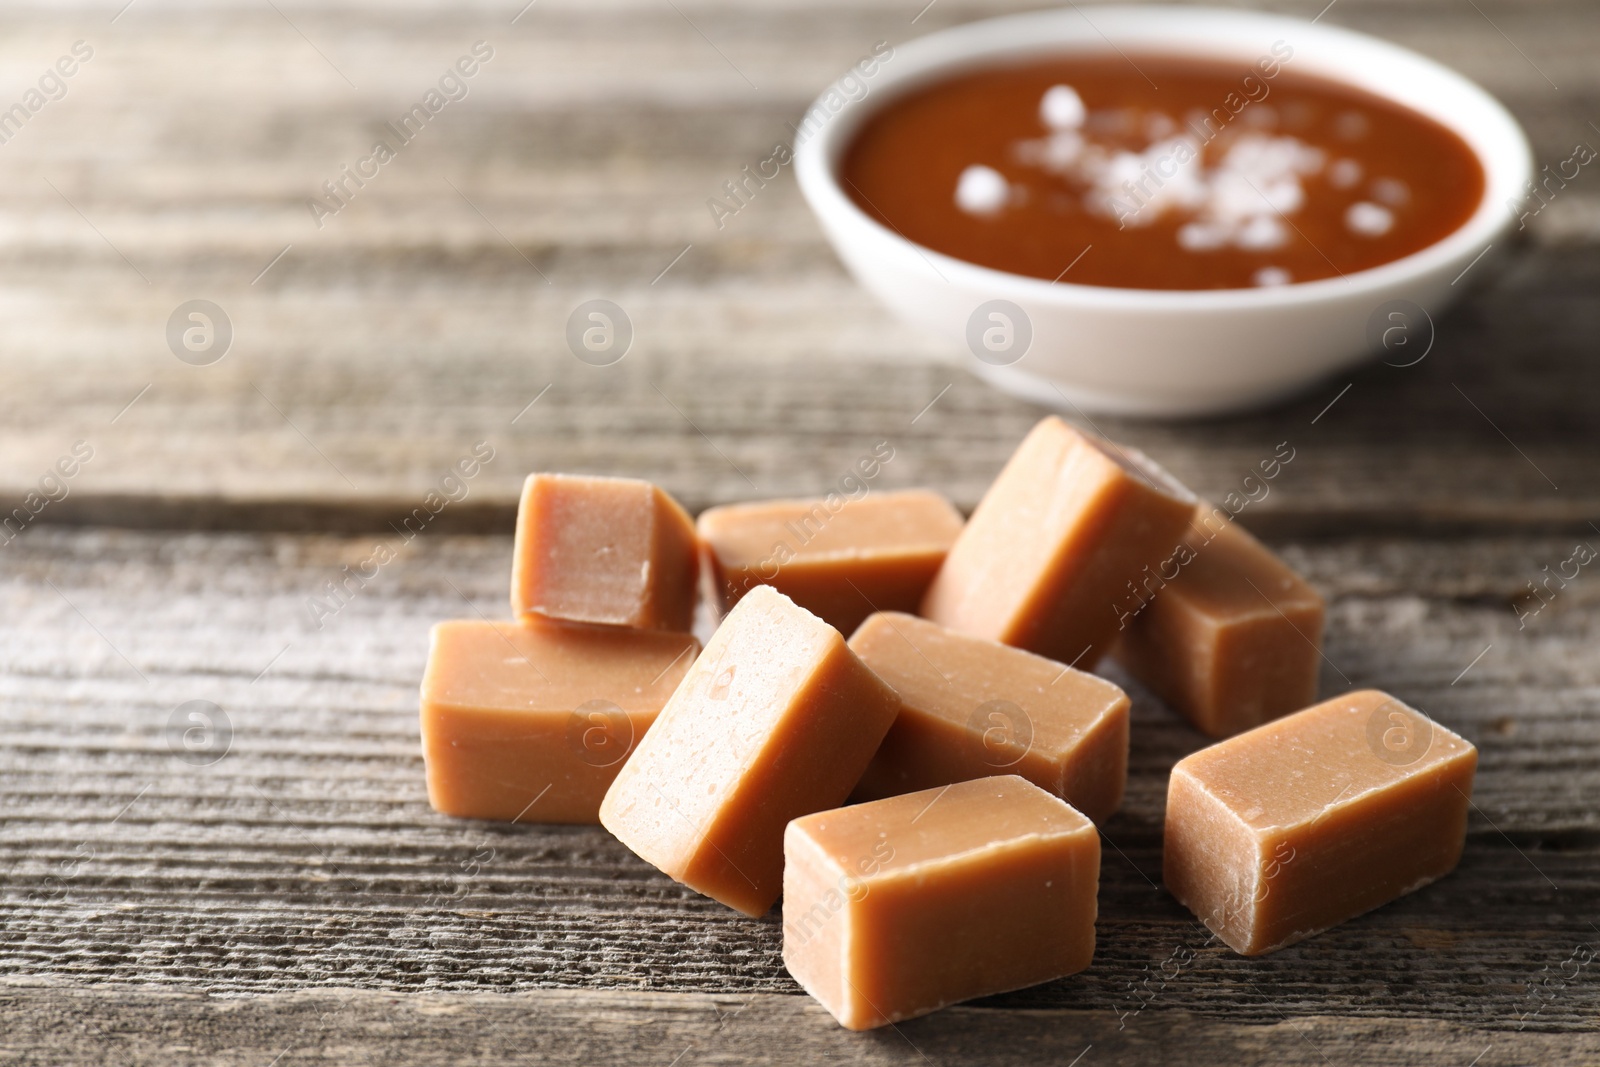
<point>1164,352</point>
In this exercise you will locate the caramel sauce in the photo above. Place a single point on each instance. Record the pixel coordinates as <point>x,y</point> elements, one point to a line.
<point>1173,172</point>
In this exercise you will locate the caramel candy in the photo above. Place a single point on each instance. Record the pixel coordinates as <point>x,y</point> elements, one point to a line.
<point>617,551</point>
<point>902,906</point>
<point>1052,548</point>
<point>776,719</point>
<point>530,721</point>
<point>838,558</point>
<point>974,708</point>
<point>1225,633</point>
<point>1298,825</point>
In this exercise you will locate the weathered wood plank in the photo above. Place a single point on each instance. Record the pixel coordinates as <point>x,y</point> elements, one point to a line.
<point>64,1026</point>
<point>308,855</point>
<point>1476,438</point>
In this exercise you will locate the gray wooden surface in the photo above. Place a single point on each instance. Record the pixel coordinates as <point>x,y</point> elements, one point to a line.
<point>297,898</point>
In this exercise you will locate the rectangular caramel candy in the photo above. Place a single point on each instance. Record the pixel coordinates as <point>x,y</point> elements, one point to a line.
<point>1232,639</point>
<point>1045,560</point>
<point>616,551</point>
<point>1277,834</point>
<point>902,906</point>
<point>974,708</point>
<point>838,558</point>
<point>776,719</point>
<point>530,721</point>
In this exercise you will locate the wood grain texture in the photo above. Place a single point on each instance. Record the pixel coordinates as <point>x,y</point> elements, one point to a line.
<point>56,1026</point>
<point>308,856</point>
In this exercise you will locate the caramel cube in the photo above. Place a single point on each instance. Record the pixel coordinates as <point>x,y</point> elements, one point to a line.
<point>974,708</point>
<point>1233,639</point>
<point>1277,834</point>
<point>776,719</point>
<point>837,557</point>
<point>616,551</point>
<point>530,721</point>
<point>903,906</point>
<point>1057,542</point>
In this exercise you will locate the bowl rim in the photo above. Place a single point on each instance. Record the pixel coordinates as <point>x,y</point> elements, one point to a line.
<point>971,45</point>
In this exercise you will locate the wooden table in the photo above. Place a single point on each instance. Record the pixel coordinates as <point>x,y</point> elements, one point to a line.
<point>297,901</point>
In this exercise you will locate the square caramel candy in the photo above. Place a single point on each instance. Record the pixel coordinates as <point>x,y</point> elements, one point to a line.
<point>616,551</point>
<point>899,907</point>
<point>1233,638</point>
<point>1045,561</point>
<point>1279,833</point>
<point>974,708</point>
<point>837,557</point>
<point>776,719</point>
<point>530,721</point>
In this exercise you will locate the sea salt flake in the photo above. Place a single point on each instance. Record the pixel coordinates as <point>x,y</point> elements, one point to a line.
<point>1344,173</point>
<point>1368,219</point>
<point>1061,150</point>
<point>1262,232</point>
<point>1390,191</point>
<point>1062,108</point>
<point>1200,237</point>
<point>982,190</point>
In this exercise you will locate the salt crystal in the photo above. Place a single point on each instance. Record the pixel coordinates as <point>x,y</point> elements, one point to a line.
<point>1233,196</point>
<point>1061,150</point>
<point>1285,195</point>
<point>982,190</point>
<point>1062,108</point>
<point>1368,219</point>
<point>1199,237</point>
<point>1391,191</point>
<point>1125,167</point>
<point>1344,173</point>
<point>1261,232</point>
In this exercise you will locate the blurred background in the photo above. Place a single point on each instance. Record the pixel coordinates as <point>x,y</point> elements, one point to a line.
<point>371,345</point>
